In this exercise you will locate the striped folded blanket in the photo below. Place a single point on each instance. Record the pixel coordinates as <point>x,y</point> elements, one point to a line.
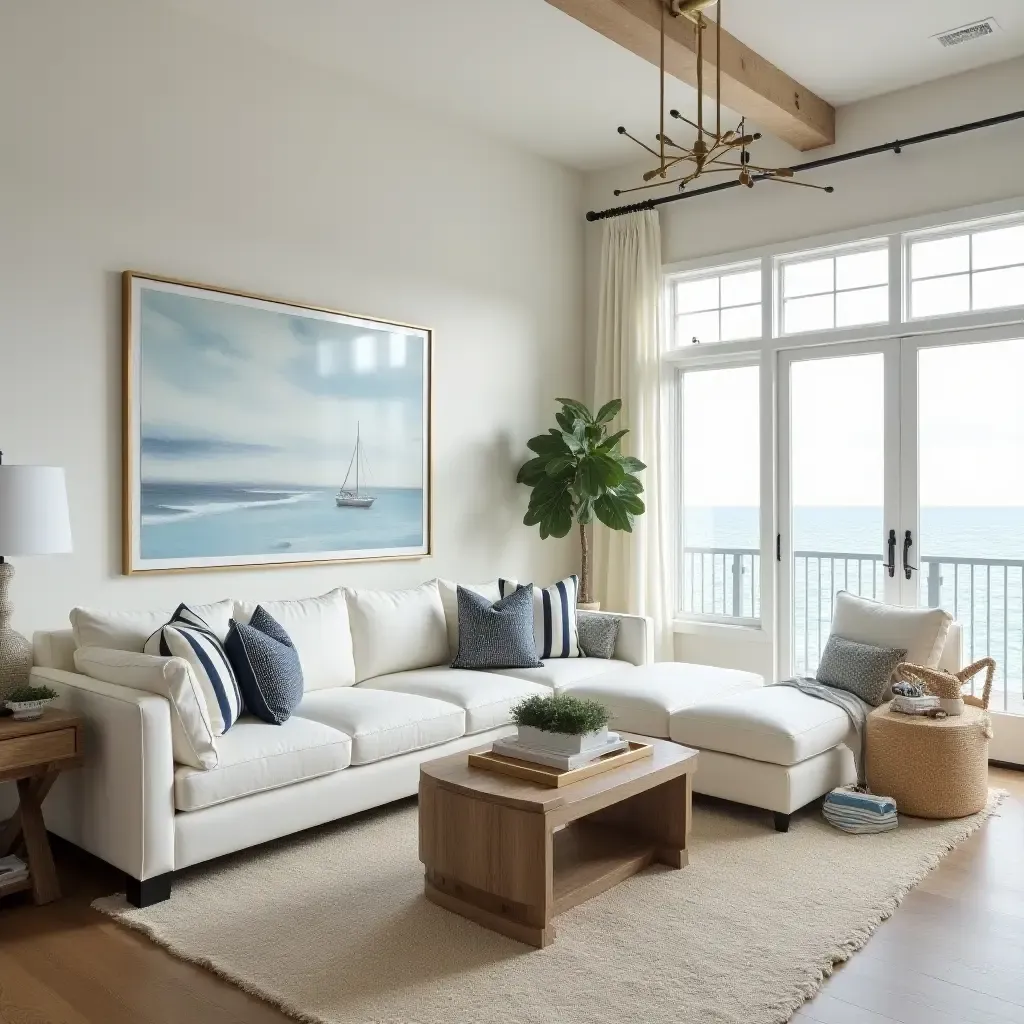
<point>852,810</point>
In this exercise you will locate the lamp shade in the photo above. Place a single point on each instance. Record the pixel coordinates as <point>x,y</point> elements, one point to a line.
<point>33,511</point>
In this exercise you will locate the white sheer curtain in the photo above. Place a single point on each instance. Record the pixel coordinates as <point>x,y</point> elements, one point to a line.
<point>631,570</point>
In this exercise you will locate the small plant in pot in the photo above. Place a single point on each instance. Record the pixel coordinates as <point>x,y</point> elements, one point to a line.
<point>561,724</point>
<point>28,702</point>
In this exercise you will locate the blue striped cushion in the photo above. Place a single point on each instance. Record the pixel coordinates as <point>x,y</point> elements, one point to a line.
<point>554,617</point>
<point>188,637</point>
<point>851,810</point>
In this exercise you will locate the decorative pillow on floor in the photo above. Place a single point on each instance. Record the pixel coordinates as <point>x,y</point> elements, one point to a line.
<point>598,634</point>
<point>858,668</point>
<point>266,665</point>
<point>187,636</point>
<point>554,617</point>
<point>496,634</point>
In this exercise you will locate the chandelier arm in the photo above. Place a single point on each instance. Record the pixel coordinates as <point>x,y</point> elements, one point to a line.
<point>692,124</point>
<point>656,184</point>
<point>791,181</point>
<point>653,152</point>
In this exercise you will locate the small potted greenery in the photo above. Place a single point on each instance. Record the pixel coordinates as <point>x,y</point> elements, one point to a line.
<point>561,724</point>
<point>28,702</point>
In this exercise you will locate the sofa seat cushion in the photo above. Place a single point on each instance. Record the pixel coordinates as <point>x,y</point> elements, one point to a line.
<point>644,698</point>
<point>254,756</point>
<point>777,724</point>
<point>558,673</point>
<point>382,723</point>
<point>485,696</point>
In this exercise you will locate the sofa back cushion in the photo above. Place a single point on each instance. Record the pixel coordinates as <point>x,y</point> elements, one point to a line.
<point>129,630</point>
<point>319,629</point>
<point>921,632</point>
<point>449,600</point>
<point>396,630</point>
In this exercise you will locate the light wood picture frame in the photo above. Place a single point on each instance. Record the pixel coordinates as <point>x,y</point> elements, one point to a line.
<point>261,432</point>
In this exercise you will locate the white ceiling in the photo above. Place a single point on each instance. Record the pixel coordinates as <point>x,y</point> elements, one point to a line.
<point>525,72</point>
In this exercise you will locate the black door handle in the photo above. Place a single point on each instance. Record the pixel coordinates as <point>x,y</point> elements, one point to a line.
<point>891,564</point>
<point>908,542</point>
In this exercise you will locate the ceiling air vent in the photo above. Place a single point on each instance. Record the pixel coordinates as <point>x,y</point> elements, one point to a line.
<point>967,33</point>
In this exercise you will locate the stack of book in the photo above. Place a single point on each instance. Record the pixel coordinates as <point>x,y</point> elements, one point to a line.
<point>512,747</point>
<point>12,869</point>
<point>924,705</point>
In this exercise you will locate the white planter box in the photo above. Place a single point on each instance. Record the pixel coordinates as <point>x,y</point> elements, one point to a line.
<point>562,742</point>
<point>27,710</point>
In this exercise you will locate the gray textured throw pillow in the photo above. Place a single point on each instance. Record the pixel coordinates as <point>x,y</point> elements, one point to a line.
<point>859,668</point>
<point>598,633</point>
<point>498,634</point>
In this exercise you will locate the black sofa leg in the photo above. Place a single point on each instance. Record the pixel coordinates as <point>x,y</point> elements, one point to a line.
<point>148,891</point>
<point>781,822</point>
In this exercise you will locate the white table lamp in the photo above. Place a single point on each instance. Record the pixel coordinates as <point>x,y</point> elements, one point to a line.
<point>33,521</point>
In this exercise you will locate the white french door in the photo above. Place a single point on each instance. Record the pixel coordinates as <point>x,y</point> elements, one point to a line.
<point>901,478</point>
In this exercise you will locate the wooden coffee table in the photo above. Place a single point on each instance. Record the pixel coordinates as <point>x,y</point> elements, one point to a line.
<point>511,854</point>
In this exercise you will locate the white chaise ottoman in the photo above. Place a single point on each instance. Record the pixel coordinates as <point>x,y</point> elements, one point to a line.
<point>767,746</point>
<point>774,747</point>
<point>644,698</point>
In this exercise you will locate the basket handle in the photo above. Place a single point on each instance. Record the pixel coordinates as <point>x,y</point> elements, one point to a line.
<point>935,680</point>
<point>972,670</point>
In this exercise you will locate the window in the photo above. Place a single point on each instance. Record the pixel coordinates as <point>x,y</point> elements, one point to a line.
<point>718,305</point>
<point>721,493</point>
<point>826,292</point>
<point>965,272</point>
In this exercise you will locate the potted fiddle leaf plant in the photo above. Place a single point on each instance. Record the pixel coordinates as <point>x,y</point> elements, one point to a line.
<point>579,474</point>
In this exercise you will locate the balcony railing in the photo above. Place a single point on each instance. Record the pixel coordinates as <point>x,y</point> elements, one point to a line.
<point>986,596</point>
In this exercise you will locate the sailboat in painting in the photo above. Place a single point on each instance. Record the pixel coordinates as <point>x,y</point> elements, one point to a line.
<point>351,498</point>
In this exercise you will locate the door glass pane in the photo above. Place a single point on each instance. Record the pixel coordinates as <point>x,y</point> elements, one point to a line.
<point>721,568</point>
<point>971,485</point>
<point>838,478</point>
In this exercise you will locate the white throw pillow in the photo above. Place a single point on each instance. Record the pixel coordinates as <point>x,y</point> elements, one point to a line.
<point>192,739</point>
<point>554,617</point>
<point>319,629</point>
<point>129,631</point>
<point>450,601</point>
<point>397,630</point>
<point>921,632</point>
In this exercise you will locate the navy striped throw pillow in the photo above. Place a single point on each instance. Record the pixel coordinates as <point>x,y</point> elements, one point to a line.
<point>554,617</point>
<point>188,637</point>
<point>266,665</point>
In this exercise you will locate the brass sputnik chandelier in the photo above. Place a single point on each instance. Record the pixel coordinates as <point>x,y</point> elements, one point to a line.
<point>714,152</point>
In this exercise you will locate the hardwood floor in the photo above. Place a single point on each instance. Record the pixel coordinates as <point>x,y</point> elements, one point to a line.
<point>952,954</point>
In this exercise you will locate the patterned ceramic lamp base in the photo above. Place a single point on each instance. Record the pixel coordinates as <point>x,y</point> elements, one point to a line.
<point>15,650</point>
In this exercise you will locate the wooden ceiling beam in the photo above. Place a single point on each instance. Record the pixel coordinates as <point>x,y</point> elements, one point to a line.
<point>751,85</point>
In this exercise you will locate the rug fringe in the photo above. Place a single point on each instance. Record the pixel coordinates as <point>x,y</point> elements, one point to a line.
<point>117,908</point>
<point>859,939</point>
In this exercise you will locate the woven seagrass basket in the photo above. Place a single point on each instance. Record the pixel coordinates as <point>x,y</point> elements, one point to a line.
<point>932,767</point>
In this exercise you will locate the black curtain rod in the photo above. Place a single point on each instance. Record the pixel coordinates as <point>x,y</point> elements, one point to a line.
<point>810,165</point>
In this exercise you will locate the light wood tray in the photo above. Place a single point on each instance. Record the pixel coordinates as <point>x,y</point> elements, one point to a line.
<point>556,777</point>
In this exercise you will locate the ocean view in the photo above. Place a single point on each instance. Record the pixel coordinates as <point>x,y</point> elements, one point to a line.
<point>184,520</point>
<point>971,562</point>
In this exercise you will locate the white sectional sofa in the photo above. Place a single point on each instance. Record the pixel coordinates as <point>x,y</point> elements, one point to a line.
<point>379,700</point>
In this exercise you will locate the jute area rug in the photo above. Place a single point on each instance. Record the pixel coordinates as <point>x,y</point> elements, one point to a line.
<point>332,926</point>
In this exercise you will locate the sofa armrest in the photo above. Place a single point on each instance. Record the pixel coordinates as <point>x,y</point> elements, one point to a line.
<point>635,642</point>
<point>120,804</point>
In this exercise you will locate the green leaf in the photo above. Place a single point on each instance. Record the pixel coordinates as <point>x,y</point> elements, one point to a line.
<point>632,504</point>
<point>565,421</point>
<point>612,473</point>
<point>573,443</point>
<point>547,444</point>
<point>631,465</point>
<point>532,472</point>
<point>559,464</point>
<point>585,511</point>
<point>612,440</point>
<point>561,522</point>
<point>532,517</point>
<point>611,510</point>
<point>630,485</point>
<point>608,411</point>
<point>578,409</point>
<point>589,478</point>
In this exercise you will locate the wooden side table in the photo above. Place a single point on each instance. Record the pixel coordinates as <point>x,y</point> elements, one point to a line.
<point>33,754</point>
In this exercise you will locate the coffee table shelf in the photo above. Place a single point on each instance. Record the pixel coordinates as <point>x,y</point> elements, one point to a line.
<point>510,854</point>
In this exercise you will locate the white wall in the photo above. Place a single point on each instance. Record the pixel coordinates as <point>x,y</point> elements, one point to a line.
<point>959,171</point>
<point>134,137</point>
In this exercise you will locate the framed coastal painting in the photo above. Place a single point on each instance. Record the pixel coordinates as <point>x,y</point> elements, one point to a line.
<point>260,432</point>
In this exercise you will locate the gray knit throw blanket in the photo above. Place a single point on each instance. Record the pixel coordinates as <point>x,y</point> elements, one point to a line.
<point>856,710</point>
